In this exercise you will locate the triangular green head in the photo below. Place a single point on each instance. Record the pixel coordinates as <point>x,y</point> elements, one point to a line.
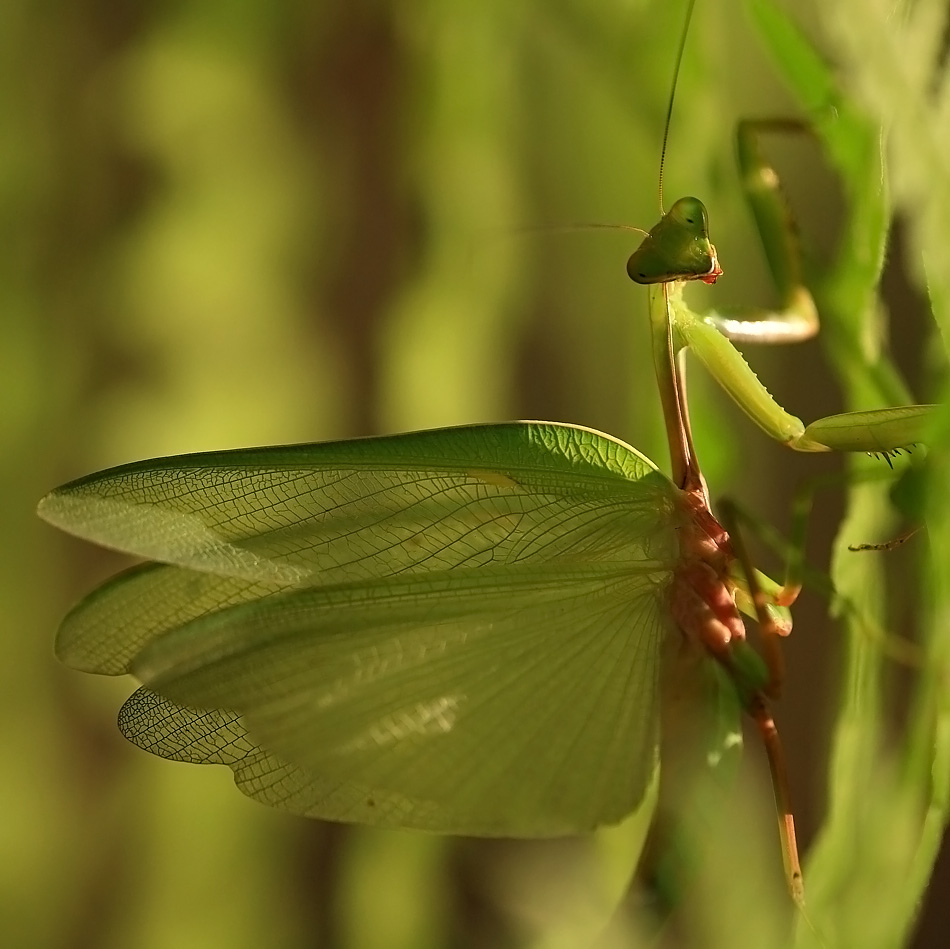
<point>678,248</point>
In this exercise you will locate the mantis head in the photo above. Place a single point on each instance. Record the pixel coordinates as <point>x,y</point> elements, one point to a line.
<point>677,248</point>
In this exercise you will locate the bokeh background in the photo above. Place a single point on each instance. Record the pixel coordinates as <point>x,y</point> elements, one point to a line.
<point>241,223</point>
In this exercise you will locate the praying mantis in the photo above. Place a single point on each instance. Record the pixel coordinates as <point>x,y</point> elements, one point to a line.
<point>440,579</point>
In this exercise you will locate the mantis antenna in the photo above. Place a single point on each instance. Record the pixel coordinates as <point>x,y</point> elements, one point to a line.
<point>669,106</point>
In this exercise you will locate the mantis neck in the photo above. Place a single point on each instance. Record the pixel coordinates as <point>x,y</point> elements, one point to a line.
<point>671,382</point>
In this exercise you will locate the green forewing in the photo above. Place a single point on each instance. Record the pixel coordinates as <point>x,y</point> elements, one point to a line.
<point>455,630</point>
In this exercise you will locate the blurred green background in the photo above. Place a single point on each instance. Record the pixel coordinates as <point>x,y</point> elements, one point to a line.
<point>244,223</point>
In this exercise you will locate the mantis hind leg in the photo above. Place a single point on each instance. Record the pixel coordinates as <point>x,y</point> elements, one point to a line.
<point>755,700</point>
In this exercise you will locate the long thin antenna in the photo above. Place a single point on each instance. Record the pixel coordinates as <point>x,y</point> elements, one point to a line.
<point>669,108</point>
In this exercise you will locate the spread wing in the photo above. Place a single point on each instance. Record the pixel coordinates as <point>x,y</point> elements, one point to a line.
<point>455,630</point>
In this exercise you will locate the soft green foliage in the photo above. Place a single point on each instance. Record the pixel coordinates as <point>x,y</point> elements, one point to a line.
<point>889,801</point>
<point>256,223</point>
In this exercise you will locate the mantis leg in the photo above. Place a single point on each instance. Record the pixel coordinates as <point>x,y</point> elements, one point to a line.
<point>710,335</point>
<point>756,704</point>
<point>795,318</point>
<point>791,546</point>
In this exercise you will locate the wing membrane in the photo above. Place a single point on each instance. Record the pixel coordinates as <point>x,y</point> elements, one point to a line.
<point>217,736</point>
<point>111,625</point>
<point>350,509</point>
<point>475,704</point>
<point>455,630</point>
<point>261,522</point>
